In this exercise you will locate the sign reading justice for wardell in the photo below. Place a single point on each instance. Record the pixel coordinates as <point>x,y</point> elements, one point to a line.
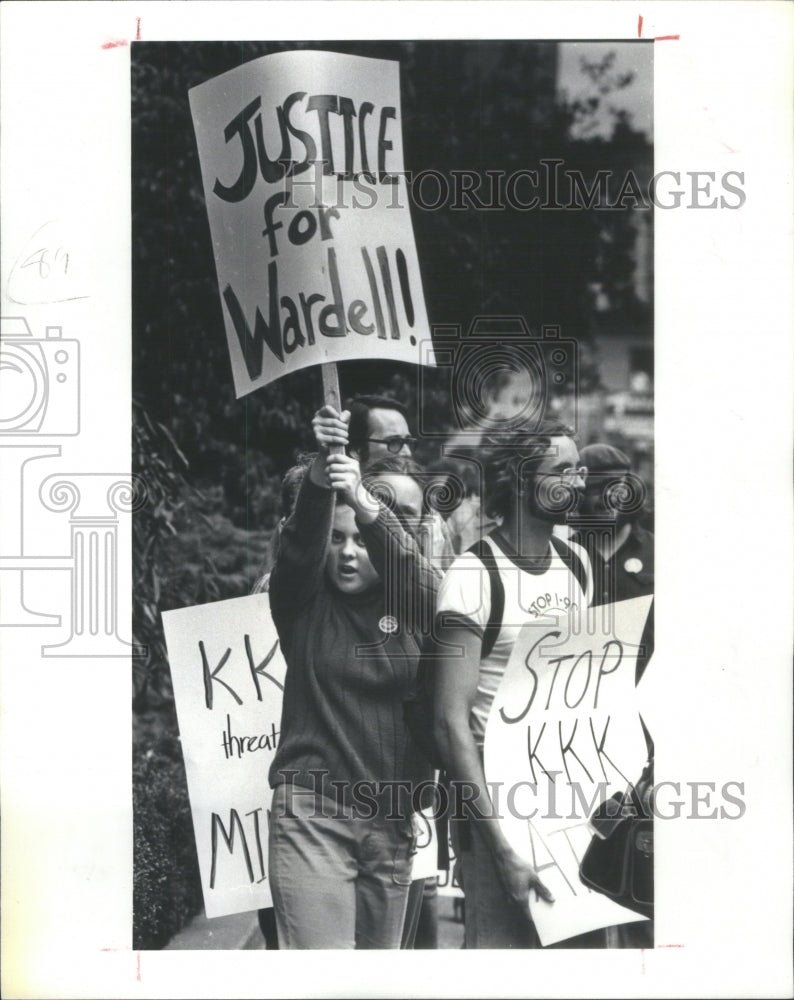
<point>302,165</point>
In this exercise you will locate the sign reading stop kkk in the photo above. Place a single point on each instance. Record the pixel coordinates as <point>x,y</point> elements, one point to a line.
<point>563,735</point>
<point>302,167</point>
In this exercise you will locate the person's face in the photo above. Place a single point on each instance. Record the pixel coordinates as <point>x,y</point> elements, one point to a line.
<point>385,424</point>
<point>348,564</point>
<point>593,502</point>
<point>405,494</point>
<point>548,489</point>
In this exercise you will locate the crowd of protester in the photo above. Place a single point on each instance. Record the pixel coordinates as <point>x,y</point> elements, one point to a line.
<point>377,562</point>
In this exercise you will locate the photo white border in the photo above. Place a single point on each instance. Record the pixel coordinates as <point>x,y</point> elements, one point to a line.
<point>723,419</point>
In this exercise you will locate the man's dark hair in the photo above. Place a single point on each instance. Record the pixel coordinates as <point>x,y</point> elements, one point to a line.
<point>605,458</point>
<point>505,461</point>
<point>608,468</point>
<point>358,428</point>
<point>456,479</point>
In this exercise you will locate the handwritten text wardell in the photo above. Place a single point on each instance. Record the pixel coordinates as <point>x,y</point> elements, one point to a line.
<point>304,277</point>
<point>289,324</point>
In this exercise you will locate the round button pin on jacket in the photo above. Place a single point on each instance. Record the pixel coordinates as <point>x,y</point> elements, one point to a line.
<point>388,624</point>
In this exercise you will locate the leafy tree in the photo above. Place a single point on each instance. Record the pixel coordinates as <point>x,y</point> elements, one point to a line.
<point>479,110</point>
<point>485,108</point>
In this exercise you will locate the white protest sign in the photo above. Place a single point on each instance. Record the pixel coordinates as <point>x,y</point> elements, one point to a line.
<point>426,824</point>
<point>563,735</point>
<point>448,883</point>
<point>425,864</point>
<point>228,675</point>
<point>426,857</point>
<point>302,165</point>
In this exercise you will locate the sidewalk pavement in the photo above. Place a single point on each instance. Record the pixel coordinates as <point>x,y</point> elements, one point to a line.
<point>236,932</point>
<point>240,932</point>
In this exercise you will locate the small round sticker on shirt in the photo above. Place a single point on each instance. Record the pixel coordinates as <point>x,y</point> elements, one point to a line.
<point>632,565</point>
<point>388,624</point>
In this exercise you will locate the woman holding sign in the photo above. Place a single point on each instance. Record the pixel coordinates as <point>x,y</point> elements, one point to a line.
<point>351,595</point>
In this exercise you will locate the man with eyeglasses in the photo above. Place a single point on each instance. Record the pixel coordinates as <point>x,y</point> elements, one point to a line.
<point>378,426</point>
<point>531,484</point>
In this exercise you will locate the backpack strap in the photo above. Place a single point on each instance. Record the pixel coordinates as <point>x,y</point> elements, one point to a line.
<point>572,561</point>
<point>484,553</point>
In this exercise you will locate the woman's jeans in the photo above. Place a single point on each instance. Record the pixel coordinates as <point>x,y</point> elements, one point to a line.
<point>338,880</point>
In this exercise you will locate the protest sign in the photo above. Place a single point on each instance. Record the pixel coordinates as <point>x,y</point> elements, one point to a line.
<point>426,858</point>
<point>448,882</point>
<point>425,864</point>
<point>563,735</point>
<point>302,165</point>
<point>228,675</point>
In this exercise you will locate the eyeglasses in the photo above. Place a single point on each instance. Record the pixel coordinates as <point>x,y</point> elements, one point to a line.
<point>395,443</point>
<point>580,473</point>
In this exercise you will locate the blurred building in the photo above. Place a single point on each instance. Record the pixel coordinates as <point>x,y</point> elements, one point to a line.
<point>618,408</point>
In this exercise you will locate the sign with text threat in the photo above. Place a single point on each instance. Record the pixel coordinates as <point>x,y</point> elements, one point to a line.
<point>228,677</point>
<point>302,165</point>
<point>563,735</point>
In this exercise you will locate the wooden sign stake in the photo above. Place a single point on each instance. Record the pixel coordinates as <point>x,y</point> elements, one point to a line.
<point>331,395</point>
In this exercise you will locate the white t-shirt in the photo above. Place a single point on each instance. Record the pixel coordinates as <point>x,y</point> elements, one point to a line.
<point>466,592</point>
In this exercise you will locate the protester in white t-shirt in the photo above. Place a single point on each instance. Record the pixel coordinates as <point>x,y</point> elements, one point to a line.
<point>531,484</point>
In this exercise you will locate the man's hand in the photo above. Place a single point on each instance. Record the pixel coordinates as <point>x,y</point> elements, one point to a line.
<point>519,877</point>
<point>330,428</point>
